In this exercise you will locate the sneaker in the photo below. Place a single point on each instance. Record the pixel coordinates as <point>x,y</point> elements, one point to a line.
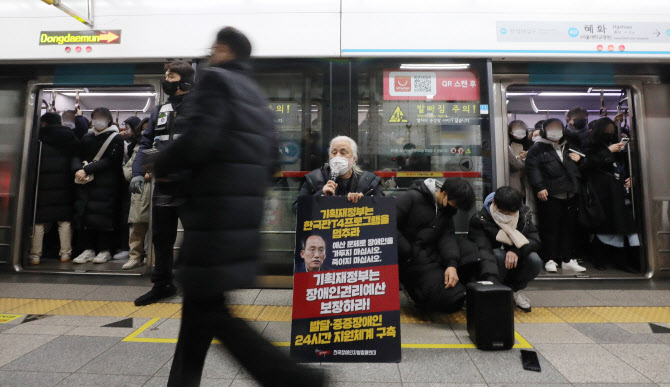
<point>573,265</point>
<point>121,255</point>
<point>522,302</point>
<point>103,257</point>
<point>132,263</point>
<point>551,267</point>
<point>34,259</point>
<point>86,256</point>
<point>155,294</point>
<point>65,258</point>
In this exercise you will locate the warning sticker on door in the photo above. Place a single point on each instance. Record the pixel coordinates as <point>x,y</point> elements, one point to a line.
<point>397,116</point>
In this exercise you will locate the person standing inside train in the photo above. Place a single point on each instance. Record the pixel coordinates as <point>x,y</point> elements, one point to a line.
<point>577,128</point>
<point>519,143</point>
<point>98,193</point>
<point>231,151</point>
<point>162,130</point>
<point>341,176</point>
<point>554,175</point>
<point>140,211</point>
<point>54,186</point>
<point>74,120</point>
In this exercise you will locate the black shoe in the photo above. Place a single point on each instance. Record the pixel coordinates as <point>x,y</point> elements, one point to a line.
<point>155,294</point>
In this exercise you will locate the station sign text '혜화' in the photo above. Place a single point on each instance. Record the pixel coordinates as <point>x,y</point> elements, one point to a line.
<point>85,37</point>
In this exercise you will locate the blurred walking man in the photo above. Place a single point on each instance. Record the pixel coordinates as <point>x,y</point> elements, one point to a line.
<point>228,150</point>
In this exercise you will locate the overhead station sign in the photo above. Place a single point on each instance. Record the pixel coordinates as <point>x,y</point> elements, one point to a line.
<point>84,37</point>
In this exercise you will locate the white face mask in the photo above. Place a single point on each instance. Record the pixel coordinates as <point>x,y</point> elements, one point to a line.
<point>340,165</point>
<point>69,124</point>
<point>554,135</point>
<point>499,217</point>
<point>99,125</point>
<point>519,134</point>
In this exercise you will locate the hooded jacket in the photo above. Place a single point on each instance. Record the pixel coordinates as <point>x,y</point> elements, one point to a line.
<point>55,190</point>
<point>483,231</point>
<point>576,138</point>
<point>98,202</point>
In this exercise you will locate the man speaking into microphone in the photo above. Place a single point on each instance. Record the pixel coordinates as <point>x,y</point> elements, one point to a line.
<point>341,176</point>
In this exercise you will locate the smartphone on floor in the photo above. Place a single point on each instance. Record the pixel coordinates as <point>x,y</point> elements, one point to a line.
<point>530,361</point>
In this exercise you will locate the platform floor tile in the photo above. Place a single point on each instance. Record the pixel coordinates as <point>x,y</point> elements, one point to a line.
<point>78,308</point>
<point>577,315</point>
<point>7,304</point>
<point>63,354</point>
<point>126,358</point>
<point>39,306</point>
<point>247,312</point>
<point>538,315</point>
<point>438,366</point>
<point>26,378</point>
<point>115,309</point>
<point>15,346</point>
<point>503,367</point>
<point>161,310</point>
<point>589,363</point>
<point>651,360</point>
<point>93,380</point>
<point>552,333</point>
<point>613,334</point>
<point>275,313</point>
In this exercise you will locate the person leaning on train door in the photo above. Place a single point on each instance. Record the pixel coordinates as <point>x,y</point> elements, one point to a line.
<point>340,176</point>
<point>230,148</point>
<point>162,130</point>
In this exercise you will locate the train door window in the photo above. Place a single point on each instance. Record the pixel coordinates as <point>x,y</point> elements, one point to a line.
<point>296,96</point>
<point>612,247</point>
<point>423,120</point>
<point>64,218</point>
<point>12,104</point>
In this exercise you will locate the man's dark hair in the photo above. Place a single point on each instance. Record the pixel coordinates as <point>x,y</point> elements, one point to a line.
<point>538,124</point>
<point>70,112</point>
<point>577,110</point>
<point>106,113</point>
<point>508,199</point>
<point>237,41</point>
<point>461,191</point>
<point>51,118</point>
<point>184,69</point>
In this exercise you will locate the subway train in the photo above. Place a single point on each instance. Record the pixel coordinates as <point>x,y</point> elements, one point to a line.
<point>418,105</point>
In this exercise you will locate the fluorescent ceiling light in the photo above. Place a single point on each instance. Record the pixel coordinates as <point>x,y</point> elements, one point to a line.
<point>592,90</point>
<point>435,66</point>
<point>513,94</point>
<point>138,94</point>
<point>574,94</point>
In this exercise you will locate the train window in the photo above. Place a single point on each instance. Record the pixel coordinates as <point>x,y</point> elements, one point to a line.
<point>421,120</point>
<point>612,246</point>
<point>66,219</point>
<point>296,96</point>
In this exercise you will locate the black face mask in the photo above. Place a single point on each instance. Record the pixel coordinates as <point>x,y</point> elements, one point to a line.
<point>449,210</point>
<point>580,123</point>
<point>170,88</point>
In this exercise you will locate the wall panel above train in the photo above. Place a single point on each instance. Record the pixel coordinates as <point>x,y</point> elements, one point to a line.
<point>149,29</point>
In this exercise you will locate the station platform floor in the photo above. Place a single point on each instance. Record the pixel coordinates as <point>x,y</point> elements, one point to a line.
<point>58,330</point>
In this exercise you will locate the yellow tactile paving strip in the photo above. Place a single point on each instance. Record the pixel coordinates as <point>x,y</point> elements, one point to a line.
<point>283,313</point>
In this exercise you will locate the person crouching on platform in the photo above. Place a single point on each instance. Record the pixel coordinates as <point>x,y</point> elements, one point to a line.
<point>434,263</point>
<point>340,176</point>
<point>504,230</point>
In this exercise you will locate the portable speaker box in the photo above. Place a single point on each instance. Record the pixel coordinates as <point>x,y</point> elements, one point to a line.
<point>490,314</point>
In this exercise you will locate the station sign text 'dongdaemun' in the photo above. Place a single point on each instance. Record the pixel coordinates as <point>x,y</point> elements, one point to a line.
<point>84,37</point>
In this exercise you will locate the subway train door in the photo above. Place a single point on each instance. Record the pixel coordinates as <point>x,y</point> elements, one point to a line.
<point>135,99</point>
<point>518,100</point>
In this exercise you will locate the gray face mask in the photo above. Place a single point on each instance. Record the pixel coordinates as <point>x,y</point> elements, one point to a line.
<point>554,135</point>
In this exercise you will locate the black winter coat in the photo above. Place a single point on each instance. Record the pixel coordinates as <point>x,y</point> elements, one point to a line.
<point>427,238</point>
<point>544,170</point>
<point>601,172</point>
<point>230,152</point>
<point>576,138</point>
<point>55,190</point>
<point>483,231</point>
<point>98,202</point>
<point>365,182</point>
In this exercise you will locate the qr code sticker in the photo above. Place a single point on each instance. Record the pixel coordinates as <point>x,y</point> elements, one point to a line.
<point>423,83</point>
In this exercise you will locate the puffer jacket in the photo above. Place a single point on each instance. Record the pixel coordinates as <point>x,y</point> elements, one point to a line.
<point>229,150</point>
<point>55,190</point>
<point>140,204</point>
<point>483,231</point>
<point>545,170</point>
<point>98,202</point>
